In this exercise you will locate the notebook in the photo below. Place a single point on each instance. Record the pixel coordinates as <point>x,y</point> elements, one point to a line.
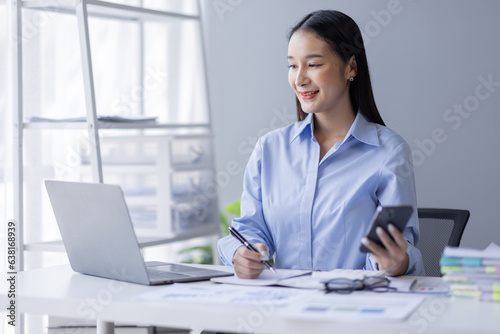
<point>302,279</point>
<point>99,237</point>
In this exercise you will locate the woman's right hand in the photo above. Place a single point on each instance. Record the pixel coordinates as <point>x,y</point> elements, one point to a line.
<point>247,263</point>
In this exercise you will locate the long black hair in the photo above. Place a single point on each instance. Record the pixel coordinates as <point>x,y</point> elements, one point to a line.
<point>343,36</point>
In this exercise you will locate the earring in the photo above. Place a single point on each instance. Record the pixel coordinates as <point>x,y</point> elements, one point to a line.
<point>351,79</point>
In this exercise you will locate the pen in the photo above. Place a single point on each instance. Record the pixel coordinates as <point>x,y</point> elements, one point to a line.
<point>244,241</point>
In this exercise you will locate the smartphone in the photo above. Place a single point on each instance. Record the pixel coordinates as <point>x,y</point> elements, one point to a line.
<point>383,216</point>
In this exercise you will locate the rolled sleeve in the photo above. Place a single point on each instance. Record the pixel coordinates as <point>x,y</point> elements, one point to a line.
<point>251,224</point>
<point>415,264</point>
<point>397,187</point>
<point>227,247</point>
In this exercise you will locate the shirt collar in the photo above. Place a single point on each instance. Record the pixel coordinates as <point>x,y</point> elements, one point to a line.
<point>361,129</point>
<point>301,126</point>
<point>364,130</point>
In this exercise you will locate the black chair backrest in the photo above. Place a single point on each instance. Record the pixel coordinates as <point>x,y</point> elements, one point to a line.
<point>439,228</point>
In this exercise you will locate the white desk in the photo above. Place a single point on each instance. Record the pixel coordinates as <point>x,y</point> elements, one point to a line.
<point>58,291</point>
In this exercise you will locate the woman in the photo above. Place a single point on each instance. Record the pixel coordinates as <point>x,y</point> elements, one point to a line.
<point>310,189</point>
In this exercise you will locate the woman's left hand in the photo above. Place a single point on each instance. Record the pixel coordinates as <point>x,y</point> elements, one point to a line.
<point>392,259</point>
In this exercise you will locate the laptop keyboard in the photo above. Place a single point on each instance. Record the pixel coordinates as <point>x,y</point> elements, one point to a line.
<point>160,274</point>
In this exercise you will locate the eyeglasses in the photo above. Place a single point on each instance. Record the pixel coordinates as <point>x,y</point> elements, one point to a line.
<point>346,285</point>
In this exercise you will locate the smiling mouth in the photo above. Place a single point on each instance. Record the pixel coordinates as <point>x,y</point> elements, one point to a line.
<point>309,95</point>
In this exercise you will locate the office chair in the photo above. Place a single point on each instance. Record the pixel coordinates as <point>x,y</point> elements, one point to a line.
<point>439,228</point>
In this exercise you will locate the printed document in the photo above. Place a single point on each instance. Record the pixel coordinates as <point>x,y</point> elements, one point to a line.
<point>361,306</point>
<point>223,294</point>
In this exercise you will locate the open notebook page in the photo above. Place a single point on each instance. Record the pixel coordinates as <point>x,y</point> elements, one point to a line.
<point>267,277</point>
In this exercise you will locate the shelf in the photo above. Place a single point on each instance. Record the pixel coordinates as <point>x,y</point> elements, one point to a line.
<point>138,200</point>
<point>186,198</point>
<point>205,231</point>
<point>151,200</point>
<point>140,129</point>
<point>110,126</point>
<point>124,168</point>
<point>145,168</point>
<point>47,246</point>
<point>106,9</point>
<point>190,168</point>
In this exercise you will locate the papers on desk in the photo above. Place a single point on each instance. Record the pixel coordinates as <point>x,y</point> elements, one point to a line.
<point>294,303</point>
<point>266,278</point>
<point>223,294</point>
<point>473,273</point>
<point>306,280</point>
<point>346,273</point>
<point>301,279</point>
<point>362,306</point>
<point>422,284</point>
<point>491,252</point>
<point>318,278</point>
<point>300,303</point>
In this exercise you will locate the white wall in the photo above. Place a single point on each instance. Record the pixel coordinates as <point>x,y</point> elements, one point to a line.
<point>426,58</point>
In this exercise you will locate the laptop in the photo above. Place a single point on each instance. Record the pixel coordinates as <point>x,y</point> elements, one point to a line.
<point>100,240</point>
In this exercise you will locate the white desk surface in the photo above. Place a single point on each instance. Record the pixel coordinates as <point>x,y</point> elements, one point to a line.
<point>58,291</point>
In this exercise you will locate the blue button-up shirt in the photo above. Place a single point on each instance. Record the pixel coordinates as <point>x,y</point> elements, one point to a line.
<point>312,214</point>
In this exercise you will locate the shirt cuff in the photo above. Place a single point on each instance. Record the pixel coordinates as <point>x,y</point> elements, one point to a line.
<point>227,247</point>
<point>415,263</point>
<point>370,263</point>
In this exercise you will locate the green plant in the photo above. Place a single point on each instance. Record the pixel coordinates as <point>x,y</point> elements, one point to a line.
<point>204,254</point>
<point>232,210</point>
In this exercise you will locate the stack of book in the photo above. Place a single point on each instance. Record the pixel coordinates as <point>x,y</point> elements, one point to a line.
<point>472,273</point>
